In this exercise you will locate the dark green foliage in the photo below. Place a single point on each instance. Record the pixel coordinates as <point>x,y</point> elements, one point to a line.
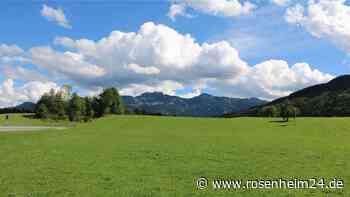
<point>269,111</point>
<point>77,108</point>
<point>60,105</point>
<point>110,102</point>
<point>55,105</point>
<point>89,111</point>
<point>96,106</point>
<point>42,111</point>
<point>288,111</point>
<point>59,108</point>
<point>330,99</point>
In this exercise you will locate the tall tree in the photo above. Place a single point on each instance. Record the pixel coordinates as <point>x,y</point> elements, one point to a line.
<point>77,108</point>
<point>42,111</point>
<point>89,110</point>
<point>288,110</point>
<point>110,102</point>
<point>59,107</point>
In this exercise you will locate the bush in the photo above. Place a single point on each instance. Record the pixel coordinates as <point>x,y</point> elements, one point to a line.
<point>269,111</point>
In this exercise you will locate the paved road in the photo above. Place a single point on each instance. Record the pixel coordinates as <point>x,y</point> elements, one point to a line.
<point>26,128</point>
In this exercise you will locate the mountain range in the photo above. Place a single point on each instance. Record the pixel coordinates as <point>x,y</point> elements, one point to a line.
<point>328,99</point>
<point>204,105</point>
<point>26,107</point>
<point>157,103</point>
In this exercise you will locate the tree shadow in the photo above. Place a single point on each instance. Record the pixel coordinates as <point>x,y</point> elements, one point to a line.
<point>278,121</point>
<point>282,123</point>
<point>30,116</point>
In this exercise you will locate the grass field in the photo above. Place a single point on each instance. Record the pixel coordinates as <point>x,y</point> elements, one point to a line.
<point>28,120</point>
<point>163,156</point>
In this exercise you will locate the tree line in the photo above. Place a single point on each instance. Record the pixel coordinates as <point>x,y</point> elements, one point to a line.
<point>285,110</point>
<point>62,105</point>
<point>14,110</point>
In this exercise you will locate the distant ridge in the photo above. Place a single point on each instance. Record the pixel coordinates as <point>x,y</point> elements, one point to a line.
<point>204,105</point>
<point>327,99</point>
<point>26,107</point>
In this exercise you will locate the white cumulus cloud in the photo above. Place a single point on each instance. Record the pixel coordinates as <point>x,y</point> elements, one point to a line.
<point>10,50</point>
<point>167,87</point>
<point>55,15</point>
<point>280,2</point>
<point>155,58</point>
<point>10,54</point>
<point>23,74</point>
<point>143,70</point>
<point>157,50</point>
<point>158,58</point>
<point>68,63</point>
<point>328,19</point>
<point>31,91</point>
<point>225,8</point>
<point>275,78</point>
<point>178,10</point>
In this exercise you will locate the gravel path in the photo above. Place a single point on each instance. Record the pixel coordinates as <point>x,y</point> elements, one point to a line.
<point>26,128</point>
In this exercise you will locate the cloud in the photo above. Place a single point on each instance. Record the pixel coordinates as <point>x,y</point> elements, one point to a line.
<point>225,8</point>
<point>192,94</point>
<point>55,15</point>
<point>167,87</point>
<point>23,74</point>
<point>10,50</point>
<point>280,2</point>
<point>275,78</point>
<point>295,14</point>
<point>176,61</point>
<point>10,54</point>
<point>72,65</point>
<point>31,91</point>
<point>143,70</point>
<point>328,19</point>
<point>178,10</point>
<point>168,55</point>
<point>155,58</point>
<point>64,41</point>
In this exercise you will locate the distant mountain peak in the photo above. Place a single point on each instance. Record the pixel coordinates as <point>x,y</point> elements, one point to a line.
<point>204,95</point>
<point>202,105</point>
<point>152,94</point>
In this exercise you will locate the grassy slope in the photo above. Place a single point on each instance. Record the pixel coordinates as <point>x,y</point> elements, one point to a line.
<point>159,156</point>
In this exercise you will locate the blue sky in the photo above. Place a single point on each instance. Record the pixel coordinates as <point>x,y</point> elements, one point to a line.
<point>259,36</point>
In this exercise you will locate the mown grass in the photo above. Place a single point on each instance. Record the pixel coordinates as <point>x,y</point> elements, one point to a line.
<point>163,156</point>
<point>29,120</point>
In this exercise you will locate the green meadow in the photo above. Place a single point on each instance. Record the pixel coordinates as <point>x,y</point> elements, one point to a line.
<point>163,156</point>
<point>29,120</point>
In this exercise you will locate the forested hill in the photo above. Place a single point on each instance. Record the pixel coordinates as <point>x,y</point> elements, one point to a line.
<point>329,99</point>
<point>26,107</point>
<point>204,105</point>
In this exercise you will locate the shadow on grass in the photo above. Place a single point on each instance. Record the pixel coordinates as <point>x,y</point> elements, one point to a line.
<point>278,121</point>
<point>30,116</point>
<point>282,123</point>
